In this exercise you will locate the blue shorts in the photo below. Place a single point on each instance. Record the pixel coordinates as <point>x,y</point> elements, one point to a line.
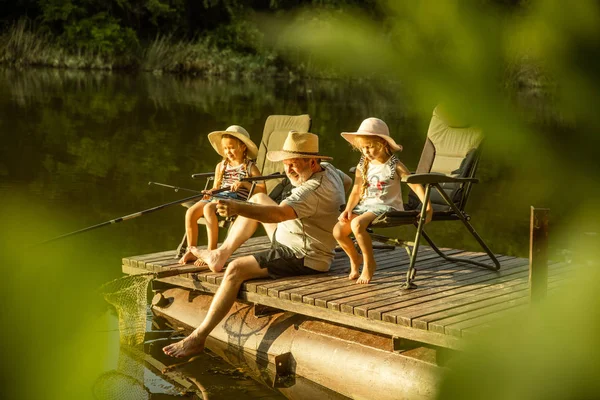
<point>223,195</point>
<point>377,209</point>
<point>227,195</point>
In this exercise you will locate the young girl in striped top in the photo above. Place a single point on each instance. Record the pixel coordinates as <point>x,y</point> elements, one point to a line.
<point>238,152</point>
<point>376,191</point>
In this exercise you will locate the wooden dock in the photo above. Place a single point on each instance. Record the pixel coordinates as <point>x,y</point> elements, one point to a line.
<point>451,302</point>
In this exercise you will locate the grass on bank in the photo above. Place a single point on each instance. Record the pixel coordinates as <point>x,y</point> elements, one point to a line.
<point>21,46</point>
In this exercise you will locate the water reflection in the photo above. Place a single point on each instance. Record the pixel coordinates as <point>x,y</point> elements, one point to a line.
<point>90,141</point>
<point>78,148</point>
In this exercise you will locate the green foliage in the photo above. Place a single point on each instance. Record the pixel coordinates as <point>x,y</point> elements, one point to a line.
<point>101,34</point>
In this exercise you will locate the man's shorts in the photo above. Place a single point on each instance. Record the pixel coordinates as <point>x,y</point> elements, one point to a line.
<point>281,262</point>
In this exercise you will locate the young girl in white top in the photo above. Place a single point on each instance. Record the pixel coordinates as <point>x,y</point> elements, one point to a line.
<point>376,191</point>
<point>238,152</point>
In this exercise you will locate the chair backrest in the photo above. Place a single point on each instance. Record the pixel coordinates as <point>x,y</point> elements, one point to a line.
<point>450,149</point>
<point>274,134</point>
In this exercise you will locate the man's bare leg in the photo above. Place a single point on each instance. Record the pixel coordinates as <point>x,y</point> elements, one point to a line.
<point>238,271</point>
<point>242,230</point>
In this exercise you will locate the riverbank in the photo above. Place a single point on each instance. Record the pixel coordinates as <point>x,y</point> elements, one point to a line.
<point>21,46</point>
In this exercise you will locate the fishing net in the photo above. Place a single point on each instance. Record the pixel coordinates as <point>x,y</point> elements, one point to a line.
<point>129,297</point>
<point>124,383</point>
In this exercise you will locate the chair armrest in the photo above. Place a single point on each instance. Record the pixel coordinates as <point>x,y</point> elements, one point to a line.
<point>203,175</point>
<point>434,177</point>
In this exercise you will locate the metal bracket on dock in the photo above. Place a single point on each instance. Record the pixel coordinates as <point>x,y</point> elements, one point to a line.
<point>400,344</point>
<point>285,370</point>
<point>261,311</point>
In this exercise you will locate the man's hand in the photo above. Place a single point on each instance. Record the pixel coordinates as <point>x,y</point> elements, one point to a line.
<point>227,208</point>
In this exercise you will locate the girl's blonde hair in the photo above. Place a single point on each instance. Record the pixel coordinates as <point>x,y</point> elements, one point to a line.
<point>364,161</point>
<point>246,162</point>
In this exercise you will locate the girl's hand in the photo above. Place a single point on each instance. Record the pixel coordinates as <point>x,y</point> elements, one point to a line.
<point>345,216</point>
<point>235,187</point>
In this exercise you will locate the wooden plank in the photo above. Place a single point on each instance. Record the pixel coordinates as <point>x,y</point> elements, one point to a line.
<point>421,315</point>
<point>453,325</point>
<point>512,272</point>
<point>482,328</point>
<point>388,293</point>
<point>340,263</point>
<point>299,293</point>
<point>336,274</point>
<point>334,297</point>
<point>128,260</point>
<point>384,309</point>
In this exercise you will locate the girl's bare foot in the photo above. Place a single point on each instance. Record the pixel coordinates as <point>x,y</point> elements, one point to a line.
<point>184,348</point>
<point>187,257</point>
<point>367,274</point>
<point>354,267</point>
<point>215,259</point>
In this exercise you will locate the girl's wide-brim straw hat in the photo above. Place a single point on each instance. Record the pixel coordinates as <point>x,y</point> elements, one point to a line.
<point>373,127</point>
<point>237,132</point>
<point>298,145</point>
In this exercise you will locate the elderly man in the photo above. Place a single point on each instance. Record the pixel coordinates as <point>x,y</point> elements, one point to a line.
<point>300,229</point>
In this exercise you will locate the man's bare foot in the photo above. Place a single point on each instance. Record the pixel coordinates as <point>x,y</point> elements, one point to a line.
<point>215,259</point>
<point>199,263</point>
<point>189,346</point>
<point>367,274</point>
<point>187,257</point>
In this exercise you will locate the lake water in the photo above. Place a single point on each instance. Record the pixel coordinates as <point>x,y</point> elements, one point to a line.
<point>79,148</point>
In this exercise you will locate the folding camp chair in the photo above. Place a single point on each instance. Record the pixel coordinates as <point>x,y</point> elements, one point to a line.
<point>274,134</point>
<point>448,164</point>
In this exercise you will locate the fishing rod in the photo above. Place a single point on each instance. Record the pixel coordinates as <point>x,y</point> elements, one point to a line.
<point>137,214</point>
<point>175,188</point>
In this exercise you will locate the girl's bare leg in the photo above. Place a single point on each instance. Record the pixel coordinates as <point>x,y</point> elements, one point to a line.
<point>212,225</point>
<point>341,232</point>
<point>191,229</point>
<point>359,228</point>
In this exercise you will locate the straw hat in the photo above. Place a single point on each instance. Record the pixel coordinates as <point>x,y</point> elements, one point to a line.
<point>298,145</point>
<point>373,127</point>
<point>239,133</point>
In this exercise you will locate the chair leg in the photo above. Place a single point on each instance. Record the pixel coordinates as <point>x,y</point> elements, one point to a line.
<point>412,271</point>
<point>182,248</point>
<point>471,230</point>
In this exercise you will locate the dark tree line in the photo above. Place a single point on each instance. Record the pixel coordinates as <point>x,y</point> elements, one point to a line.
<point>117,26</point>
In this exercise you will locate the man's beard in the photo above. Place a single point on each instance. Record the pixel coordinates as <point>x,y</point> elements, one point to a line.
<point>300,178</point>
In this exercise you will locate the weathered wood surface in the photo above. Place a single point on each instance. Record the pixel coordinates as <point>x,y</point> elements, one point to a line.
<point>451,301</point>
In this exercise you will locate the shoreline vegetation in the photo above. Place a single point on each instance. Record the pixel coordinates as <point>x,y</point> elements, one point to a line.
<point>23,46</point>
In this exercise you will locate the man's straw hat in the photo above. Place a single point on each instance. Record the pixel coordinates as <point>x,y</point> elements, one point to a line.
<point>298,145</point>
<point>239,133</point>
<point>373,127</point>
